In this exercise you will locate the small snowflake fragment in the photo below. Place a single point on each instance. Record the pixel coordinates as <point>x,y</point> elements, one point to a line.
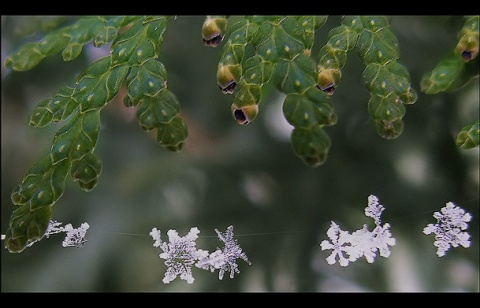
<point>451,221</point>
<point>75,236</point>
<point>374,209</point>
<point>54,227</point>
<point>362,242</point>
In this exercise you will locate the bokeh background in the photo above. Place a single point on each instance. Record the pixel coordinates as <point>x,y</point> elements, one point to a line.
<point>248,177</point>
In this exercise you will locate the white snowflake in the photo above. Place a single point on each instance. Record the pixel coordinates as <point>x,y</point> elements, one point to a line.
<point>361,242</point>
<point>451,221</point>
<point>180,253</point>
<point>75,236</point>
<point>225,260</point>
<point>338,238</point>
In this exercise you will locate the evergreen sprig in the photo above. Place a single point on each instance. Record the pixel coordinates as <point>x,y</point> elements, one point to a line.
<point>282,54</point>
<point>454,71</point>
<point>135,43</point>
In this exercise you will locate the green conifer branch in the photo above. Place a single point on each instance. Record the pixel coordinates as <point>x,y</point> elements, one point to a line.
<point>135,44</point>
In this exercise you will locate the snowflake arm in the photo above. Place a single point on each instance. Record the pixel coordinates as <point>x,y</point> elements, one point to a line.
<point>156,235</point>
<point>374,209</point>
<point>383,239</point>
<point>213,261</point>
<point>53,228</point>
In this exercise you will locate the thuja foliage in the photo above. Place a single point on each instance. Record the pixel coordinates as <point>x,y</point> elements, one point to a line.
<point>255,51</point>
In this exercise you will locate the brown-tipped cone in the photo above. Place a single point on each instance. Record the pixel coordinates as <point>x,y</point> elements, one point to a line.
<point>226,78</point>
<point>468,47</point>
<point>327,80</point>
<point>213,30</point>
<point>244,115</point>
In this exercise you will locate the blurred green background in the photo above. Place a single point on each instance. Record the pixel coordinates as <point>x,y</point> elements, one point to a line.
<point>248,177</point>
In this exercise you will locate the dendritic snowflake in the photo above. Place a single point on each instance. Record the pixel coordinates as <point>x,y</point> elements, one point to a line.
<point>451,221</point>
<point>362,242</point>
<point>180,254</point>
<point>225,260</point>
<point>338,238</point>
<point>75,237</point>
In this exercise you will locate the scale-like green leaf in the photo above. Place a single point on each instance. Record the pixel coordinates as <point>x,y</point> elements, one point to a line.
<point>391,78</point>
<point>78,138</point>
<point>295,76</point>
<point>147,79</point>
<point>444,76</point>
<point>87,170</point>
<point>31,54</point>
<point>29,228</point>
<point>42,115</point>
<point>110,29</point>
<point>172,135</point>
<point>56,109</point>
<point>469,136</point>
<point>385,107</point>
<point>310,109</point>
<point>140,42</point>
<point>41,188</point>
<point>311,144</point>
<point>273,42</point>
<point>380,46</point>
<point>99,84</point>
<point>158,110</point>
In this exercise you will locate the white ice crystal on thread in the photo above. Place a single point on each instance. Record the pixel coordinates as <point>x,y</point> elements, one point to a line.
<point>75,237</point>
<point>338,238</point>
<point>225,260</point>
<point>451,221</point>
<point>361,242</point>
<point>180,254</point>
